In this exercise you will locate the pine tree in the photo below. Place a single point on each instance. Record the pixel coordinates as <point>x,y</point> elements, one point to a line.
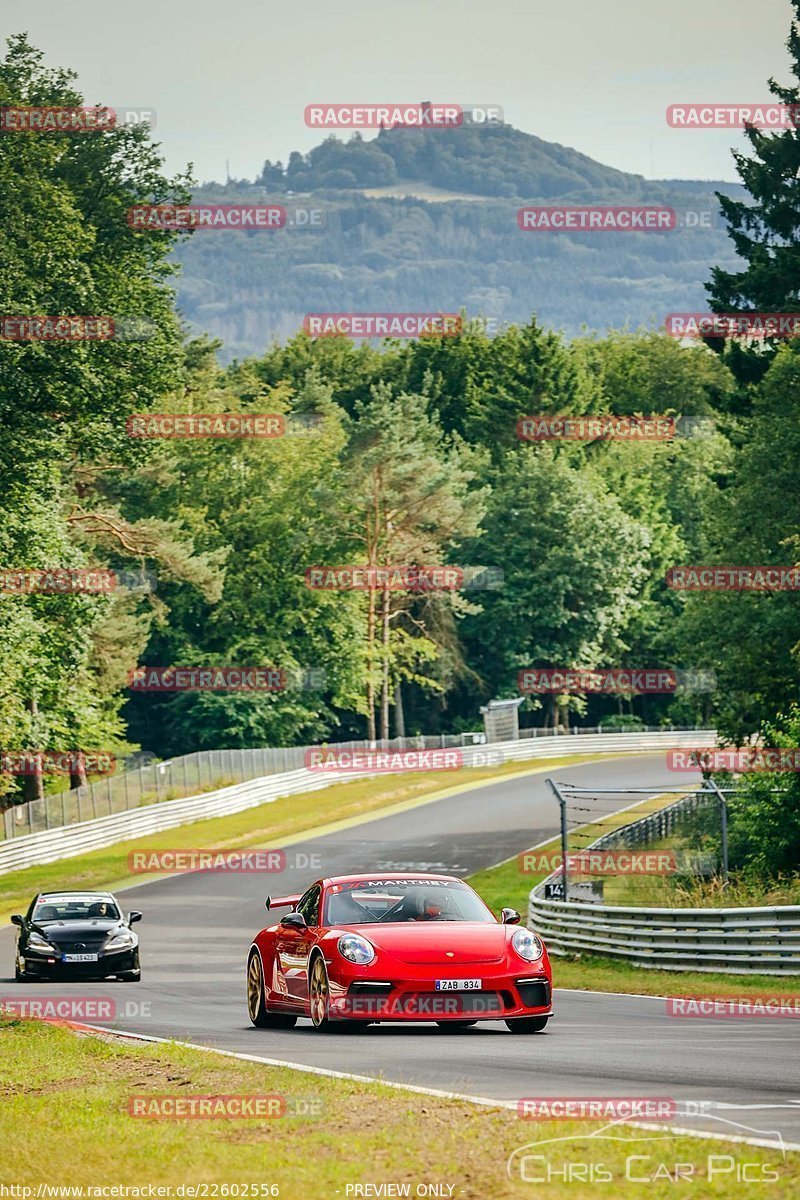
<point>766,229</point>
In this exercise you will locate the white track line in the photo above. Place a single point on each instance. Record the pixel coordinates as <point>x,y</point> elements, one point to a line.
<point>484,1101</point>
<point>626,995</point>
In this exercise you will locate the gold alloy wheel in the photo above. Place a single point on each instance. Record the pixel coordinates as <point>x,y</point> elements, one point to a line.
<point>318,994</point>
<point>255,986</point>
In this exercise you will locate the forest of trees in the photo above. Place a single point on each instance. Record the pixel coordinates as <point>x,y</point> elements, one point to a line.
<point>405,452</point>
<point>351,249</point>
<point>406,254</point>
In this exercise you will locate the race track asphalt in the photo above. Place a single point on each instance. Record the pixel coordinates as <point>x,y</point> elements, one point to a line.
<point>742,1074</point>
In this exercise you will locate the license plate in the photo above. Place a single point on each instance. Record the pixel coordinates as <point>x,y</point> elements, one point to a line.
<point>80,958</point>
<point>459,985</point>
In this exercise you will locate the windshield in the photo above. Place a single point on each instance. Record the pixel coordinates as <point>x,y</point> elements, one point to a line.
<point>75,908</point>
<point>393,900</point>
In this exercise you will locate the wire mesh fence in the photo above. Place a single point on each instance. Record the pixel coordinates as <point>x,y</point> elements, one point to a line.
<point>598,820</point>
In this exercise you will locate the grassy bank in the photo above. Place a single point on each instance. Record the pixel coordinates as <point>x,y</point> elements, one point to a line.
<point>78,1090</point>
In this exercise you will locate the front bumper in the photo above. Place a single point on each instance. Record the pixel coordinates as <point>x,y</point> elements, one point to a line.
<point>43,967</point>
<point>499,999</point>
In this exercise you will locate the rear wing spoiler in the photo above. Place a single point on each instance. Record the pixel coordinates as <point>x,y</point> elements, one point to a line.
<point>282,901</point>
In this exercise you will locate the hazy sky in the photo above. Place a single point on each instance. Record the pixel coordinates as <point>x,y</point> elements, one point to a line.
<point>231,80</point>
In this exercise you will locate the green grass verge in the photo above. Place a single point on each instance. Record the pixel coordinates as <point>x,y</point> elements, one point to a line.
<point>268,825</point>
<point>683,891</point>
<point>65,1121</point>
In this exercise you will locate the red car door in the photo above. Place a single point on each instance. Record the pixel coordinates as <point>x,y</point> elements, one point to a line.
<point>293,946</point>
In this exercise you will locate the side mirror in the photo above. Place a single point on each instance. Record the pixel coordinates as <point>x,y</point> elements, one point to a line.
<point>16,919</point>
<point>509,916</point>
<point>294,920</point>
<point>133,917</point>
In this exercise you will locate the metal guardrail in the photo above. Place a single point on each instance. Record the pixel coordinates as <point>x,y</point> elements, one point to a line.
<point>68,840</point>
<point>731,941</point>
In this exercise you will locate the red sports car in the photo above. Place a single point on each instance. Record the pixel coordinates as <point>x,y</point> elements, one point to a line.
<point>366,948</point>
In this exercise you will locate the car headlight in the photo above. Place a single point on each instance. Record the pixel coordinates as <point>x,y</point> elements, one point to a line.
<point>527,945</point>
<point>121,941</point>
<point>356,949</point>
<point>37,942</point>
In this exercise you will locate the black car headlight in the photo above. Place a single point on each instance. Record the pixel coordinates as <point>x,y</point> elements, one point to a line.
<point>40,944</point>
<point>124,940</point>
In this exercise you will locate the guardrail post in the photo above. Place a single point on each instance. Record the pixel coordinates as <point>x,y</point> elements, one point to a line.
<point>554,788</point>
<point>723,825</point>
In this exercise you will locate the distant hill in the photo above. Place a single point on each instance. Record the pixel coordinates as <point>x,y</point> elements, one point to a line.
<point>427,220</point>
<point>488,160</point>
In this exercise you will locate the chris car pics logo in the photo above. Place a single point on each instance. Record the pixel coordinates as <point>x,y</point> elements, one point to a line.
<point>621,1155</point>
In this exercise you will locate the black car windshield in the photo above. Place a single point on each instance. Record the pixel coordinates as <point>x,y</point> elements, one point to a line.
<point>75,908</point>
<point>395,900</point>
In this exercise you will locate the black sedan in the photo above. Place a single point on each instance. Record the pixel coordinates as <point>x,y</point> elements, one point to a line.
<point>76,935</point>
